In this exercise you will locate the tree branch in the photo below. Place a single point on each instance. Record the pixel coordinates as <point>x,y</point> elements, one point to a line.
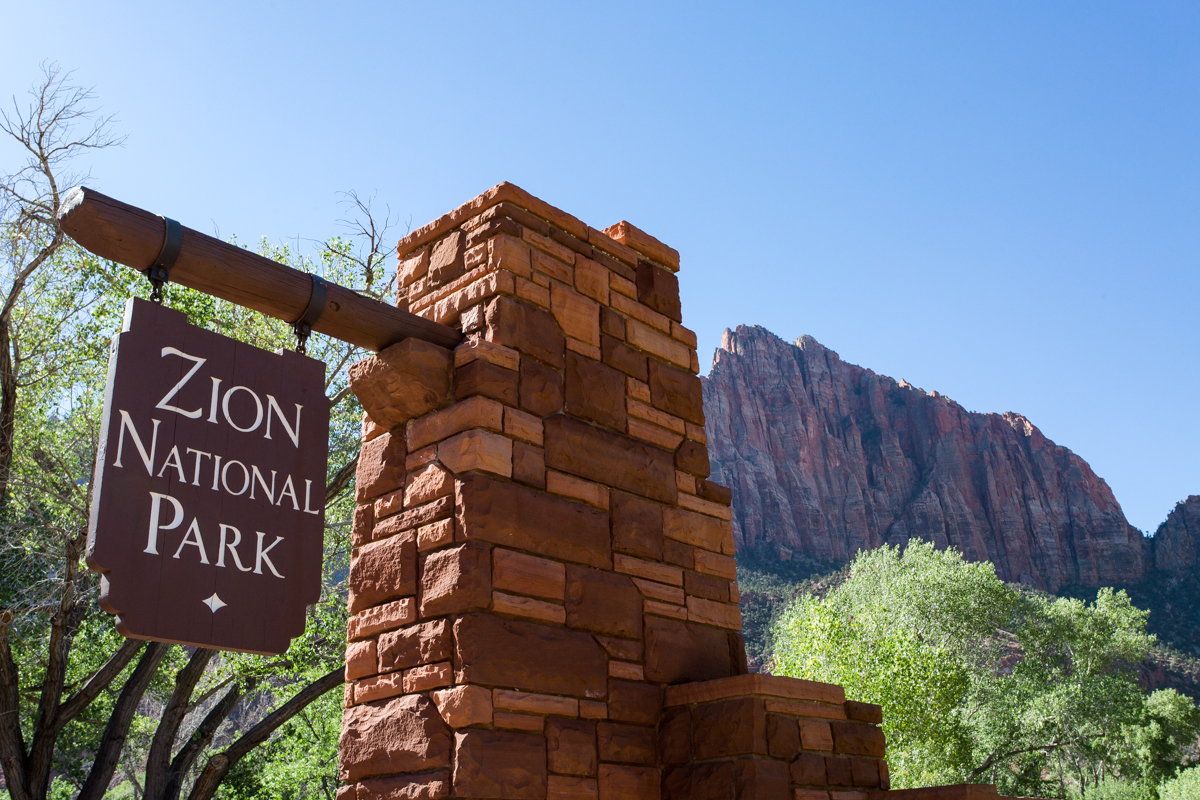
<point>341,480</point>
<point>113,740</point>
<point>172,716</point>
<point>219,765</point>
<point>83,696</point>
<point>199,740</point>
<point>12,742</point>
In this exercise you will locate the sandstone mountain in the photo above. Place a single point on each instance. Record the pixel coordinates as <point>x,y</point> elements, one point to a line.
<point>825,458</point>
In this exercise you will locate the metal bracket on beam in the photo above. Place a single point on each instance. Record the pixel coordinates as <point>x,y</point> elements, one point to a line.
<point>160,271</point>
<point>316,307</point>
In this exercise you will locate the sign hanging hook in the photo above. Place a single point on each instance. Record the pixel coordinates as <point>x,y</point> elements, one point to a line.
<point>160,271</point>
<point>316,307</point>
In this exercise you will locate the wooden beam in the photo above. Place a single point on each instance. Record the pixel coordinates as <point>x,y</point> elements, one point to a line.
<point>133,237</point>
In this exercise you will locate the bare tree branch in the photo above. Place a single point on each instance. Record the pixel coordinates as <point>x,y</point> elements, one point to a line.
<point>159,758</point>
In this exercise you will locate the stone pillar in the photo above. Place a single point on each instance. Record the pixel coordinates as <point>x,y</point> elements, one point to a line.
<point>538,551</point>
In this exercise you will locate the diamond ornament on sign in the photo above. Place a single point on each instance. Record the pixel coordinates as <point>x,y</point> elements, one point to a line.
<point>214,602</point>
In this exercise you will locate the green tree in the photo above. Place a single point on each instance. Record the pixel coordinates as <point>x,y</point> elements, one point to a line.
<point>82,711</point>
<point>981,682</point>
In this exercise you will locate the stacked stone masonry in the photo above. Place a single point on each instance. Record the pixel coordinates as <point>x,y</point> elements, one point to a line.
<point>543,593</point>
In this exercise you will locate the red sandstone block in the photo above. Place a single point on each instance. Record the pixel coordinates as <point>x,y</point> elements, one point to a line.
<point>571,747</point>
<point>714,564</point>
<point>361,659</point>
<point>637,526</point>
<point>681,652</point>
<point>528,656</point>
<point>650,247</point>
<point>623,649</point>
<point>658,344</point>
<point>435,535</point>
<point>783,737</point>
<point>722,615</point>
<point>405,734</point>
<point>534,703</point>
<point>810,794</point>
<point>564,787</point>
<point>698,530</point>
<point>885,782</point>
<point>634,701</point>
<point>380,467</point>
<point>433,785</point>
<point>629,783</point>
<point>606,457</point>
<point>675,736</point>
<point>692,457</point>
<point>578,316</point>
<point>403,381</point>
<point>518,722</point>
<point>838,771</point>
<point>364,523</point>
<point>865,772</point>
<point>477,451</point>
<point>526,574</point>
<point>461,706</point>
<point>676,392</point>
<point>729,728</point>
<point>591,279</point>
<point>379,687</point>
<point>525,427</point>
<point>413,267</point>
<point>858,739</point>
<point>529,465</point>
<point>815,735</point>
<point>456,579</point>
<point>415,644</point>
<point>809,770</point>
<point>603,602</point>
<point>612,324</point>
<point>474,412</point>
<point>499,764</point>
<point>626,744</point>
<point>483,378</point>
<point>427,676</point>
<point>680,555</point>
<point>446,260</point>
<point>427,485</point>
<point>864,712</point>
<point>593,709</point>
<point>620,356</point>
<point>511,515</point>
<point>527,607</point>
<point>381,618</point>
<point>595,392</point>
<point>659,289</point>
<point>708,781</point>
<point>541,388</point>
<point>414,517</point>
<point>526,328</point>
<point>709,587</point>
<point>760,779</point>
<point>594,494</point>
<point>625,669</point>
<point>369,429</point>
<point>505,252</point>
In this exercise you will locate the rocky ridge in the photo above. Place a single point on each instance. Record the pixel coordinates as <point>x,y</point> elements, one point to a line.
<point>826,458</point>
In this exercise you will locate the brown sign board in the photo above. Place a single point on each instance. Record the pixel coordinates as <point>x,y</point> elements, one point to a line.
<point>208,509</point>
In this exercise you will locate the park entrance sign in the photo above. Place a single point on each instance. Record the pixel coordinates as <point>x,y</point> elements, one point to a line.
<point>208,511</point>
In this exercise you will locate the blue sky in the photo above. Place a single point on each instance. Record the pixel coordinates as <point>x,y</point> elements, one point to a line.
<point>999,201</point>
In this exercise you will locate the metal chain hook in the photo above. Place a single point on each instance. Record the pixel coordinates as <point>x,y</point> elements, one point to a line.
<point>160,271</point>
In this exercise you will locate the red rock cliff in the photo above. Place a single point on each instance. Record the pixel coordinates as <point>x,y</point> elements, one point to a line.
<point>827,458</point>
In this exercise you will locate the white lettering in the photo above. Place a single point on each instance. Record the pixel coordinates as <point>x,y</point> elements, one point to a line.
<point>173,456</point>
<point>225,478</point>
<point>261,555</point>
<point>155,503</point>
<point>196,475</point>
<point>293,433</point>
<point>127,424</point>
<point>257,404</point>
<point>198,542</point>
<point>231,547</point>
<point>175,389</point>
<point>261,481</point>
<point>216,393</point>
<point>307,497</point>
<point>216,471</point>
<point>288,490</point>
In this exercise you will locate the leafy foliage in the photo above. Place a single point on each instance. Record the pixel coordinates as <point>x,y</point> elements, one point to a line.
<point>981,682</point>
